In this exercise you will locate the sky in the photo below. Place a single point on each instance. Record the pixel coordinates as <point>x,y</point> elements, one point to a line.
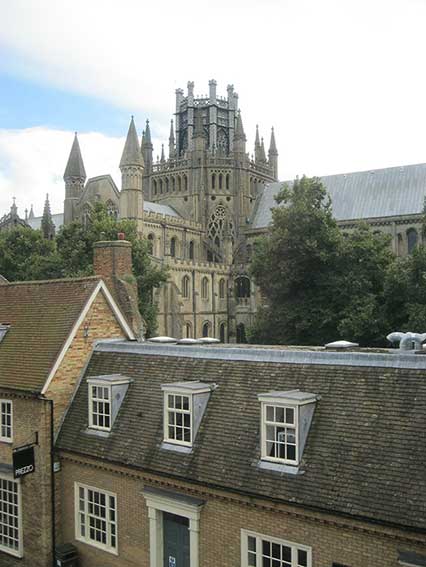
<point>341,81</point>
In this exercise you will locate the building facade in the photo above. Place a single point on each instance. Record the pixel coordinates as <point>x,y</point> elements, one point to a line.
<point>247,457</point>
<point>203,205</point>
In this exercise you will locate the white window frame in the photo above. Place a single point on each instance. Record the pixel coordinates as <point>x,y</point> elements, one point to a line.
<point>78,513</point>
<point>265,423</point>
<point>99,384</point>
<point>6,438</point>
<point>19,552</point>
<point>190,411</point>
<point>245,534</point>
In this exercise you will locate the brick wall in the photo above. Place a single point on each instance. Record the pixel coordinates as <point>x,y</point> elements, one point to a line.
<point>31,416</point>
<point>100,323</point>
<point>345,541</point>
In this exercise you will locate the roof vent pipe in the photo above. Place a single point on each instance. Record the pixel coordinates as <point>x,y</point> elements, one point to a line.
<point>407,341</point>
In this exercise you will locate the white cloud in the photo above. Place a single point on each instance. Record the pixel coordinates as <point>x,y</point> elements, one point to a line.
<point>342,82</point>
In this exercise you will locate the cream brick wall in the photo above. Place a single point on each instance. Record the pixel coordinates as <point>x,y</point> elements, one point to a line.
<point>332,538</point>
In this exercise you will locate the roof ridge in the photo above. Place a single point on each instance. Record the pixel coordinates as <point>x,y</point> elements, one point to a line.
<point>58,280</point>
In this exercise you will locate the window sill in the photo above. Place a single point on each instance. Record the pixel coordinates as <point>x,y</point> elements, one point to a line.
<point>97,433</point>
<point>98,546</point>
<point>7,551</point>
<point>178,448</point>
<point>279,467</point>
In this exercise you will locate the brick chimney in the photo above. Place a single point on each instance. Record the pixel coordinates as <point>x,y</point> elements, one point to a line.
<point>112,261</point>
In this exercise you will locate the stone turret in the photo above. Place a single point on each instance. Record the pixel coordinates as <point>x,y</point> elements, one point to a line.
<point>273,155</point>
<point>47,225</point>
<point>132,166</point>
<point>74,177</point>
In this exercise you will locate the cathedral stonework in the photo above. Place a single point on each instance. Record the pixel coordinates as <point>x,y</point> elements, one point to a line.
<point>203,206</point>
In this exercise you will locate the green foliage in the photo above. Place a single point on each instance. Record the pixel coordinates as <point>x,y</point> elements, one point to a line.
<point>26,255</point>
<point>319,284</point>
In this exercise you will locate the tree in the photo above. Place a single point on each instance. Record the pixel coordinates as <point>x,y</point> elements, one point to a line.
<point>294,268</point>
<point>75,247</point>
<point>26,255</point>
<point>319,284</point>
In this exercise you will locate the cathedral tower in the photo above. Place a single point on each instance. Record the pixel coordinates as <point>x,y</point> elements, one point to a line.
<point>74,177</point>
<point>132,166</point>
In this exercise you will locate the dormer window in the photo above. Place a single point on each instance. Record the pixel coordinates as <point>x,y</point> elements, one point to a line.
<point>286,418</point>
<point>184,406</point>
<point>106,394</point>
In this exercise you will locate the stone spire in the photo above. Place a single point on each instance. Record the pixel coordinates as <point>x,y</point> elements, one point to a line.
<point>257,148</point>
<point>163,157</point>
<point>147,148</point>
<point>132,152</point>
<point>172,148</point>
<point>74,177</point>
<point>262,151</point>
<point>31,215</point>
<point>273,155</point>
<point>75,166</point>
<point>47,226</point>
<point>239,129</point>
<point>132,167</point>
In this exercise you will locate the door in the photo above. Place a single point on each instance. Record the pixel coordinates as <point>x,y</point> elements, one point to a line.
<point>176,540</point>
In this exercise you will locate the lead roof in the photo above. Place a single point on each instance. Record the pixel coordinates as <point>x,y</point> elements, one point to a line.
<point>365,454</point>
<point>388,192</point>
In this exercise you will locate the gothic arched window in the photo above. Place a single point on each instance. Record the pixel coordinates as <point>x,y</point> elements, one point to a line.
<point>161,186</point>
<point>222,288</point>
<point>218,224</point>
<point>214,181</point>
<point>111,209</point>
<point>206,329</point>
<point>188,330</point>
<point>227,182</point>
<point>185,287</point>
<point>185,183</point>
<point>220,181</point>
<point>167,184</point>
<point>179,183</point>
<point>222,332</point>
<point>151,239</point>
<point>154,187</point>
<point>411,239</point>
<point>173,247</point>
<point>242,287</point>
<point>191,250</point>
<point>241,333</point>
<point>173,184</point>
<point>222,142</point>
<point>205,288</point>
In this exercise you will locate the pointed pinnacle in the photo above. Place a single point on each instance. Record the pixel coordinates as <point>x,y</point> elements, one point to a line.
<point>75,165</point>
<point>239,129</point>
<point>132,151</point>
<point>273,145</point>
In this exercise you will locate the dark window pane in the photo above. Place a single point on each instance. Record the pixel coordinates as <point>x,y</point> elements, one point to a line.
<point>302,558</point>
<point>266,547</point>
<point>276,551</point>
<point>251,543</point>
<point>291,452</point>
<point>286,553</point>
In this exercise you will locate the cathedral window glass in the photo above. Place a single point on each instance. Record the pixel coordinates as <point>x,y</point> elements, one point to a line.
<point>222,288</point>
<point>151,243</point>
<point>222,142</point>
<point>179,183</point>
<point>111,210</point>
<point>185,287</point>
<point>188,331</point>
<point>205,288</point>
<point>173,184</point>
<point>191,250</point>
<point>218,223</point>
<point>227,181</point>
<point>411,239</point>
<point>206,329</point>
<point>185,183</point>
<point>222,332</point>
<point>154,187</point>
<point>242,287</point>
<point>173,247</point>
<point>161,186</point>
<point>220,181</point>
<point>241,334</point>
<point>214,181</point>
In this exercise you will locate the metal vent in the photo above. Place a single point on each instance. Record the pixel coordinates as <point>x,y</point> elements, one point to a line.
<point>407,341</point>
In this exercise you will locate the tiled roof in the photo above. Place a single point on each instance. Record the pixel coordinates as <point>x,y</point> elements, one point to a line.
<point>41,316</point>
<point>365,454</point>
<point>388,192</point>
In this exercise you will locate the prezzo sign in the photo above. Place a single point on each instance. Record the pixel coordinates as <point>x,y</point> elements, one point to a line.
<point>23,461</point>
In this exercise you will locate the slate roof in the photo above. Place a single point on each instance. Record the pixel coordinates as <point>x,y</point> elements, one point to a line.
<point>365,454</point>
<point>35,222</point>
<point>388,192</point>
<point>41,316</point>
